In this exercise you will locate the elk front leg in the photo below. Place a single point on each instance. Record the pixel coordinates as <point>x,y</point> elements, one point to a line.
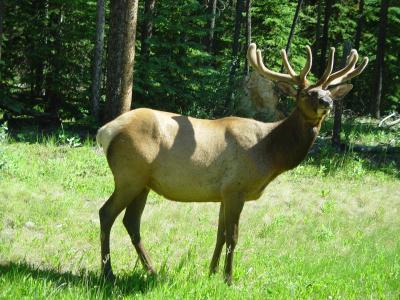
<point>133,214</point>
<point>220,241</point>
<point>233,208</point>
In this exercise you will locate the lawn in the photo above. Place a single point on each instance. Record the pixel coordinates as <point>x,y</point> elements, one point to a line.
<point>328,229</point>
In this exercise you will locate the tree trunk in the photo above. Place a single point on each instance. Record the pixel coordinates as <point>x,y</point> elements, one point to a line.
<point>1,23</point>
<point>338,103</point>
<point>97,60</point>
<point>317,46</point>
<point>354,98</point>
<point>128,56</point>
<point>325,36</point>
<point>213,11</point>
<point>121,55</point>
<point>39,78</point>
<point>236,37</point>
<point>114,57</point>
<point>53,81</point>
<point>248,34</point>
<point>360,23</point>
<point>296,15</point>
<point>235,51</point>
<point>147,28</point>
<point>36,52</point>
<point>380,54</point>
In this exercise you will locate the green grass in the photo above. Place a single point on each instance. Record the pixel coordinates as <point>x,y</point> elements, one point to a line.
<point>326,230</point>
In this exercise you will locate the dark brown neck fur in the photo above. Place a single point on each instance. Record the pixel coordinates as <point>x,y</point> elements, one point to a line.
<point>291,139</point>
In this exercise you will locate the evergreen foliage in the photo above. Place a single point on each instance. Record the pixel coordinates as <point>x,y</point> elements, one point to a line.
<point>47,50</point>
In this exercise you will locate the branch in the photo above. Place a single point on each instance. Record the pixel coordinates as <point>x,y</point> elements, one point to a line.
<point>393,123</point>
<point>386,118</point>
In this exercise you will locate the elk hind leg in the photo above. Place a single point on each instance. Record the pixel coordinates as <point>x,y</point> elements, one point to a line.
<point>108,213</point>
<point>132,217</point>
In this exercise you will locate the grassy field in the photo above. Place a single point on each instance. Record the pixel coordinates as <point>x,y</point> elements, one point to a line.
<point>329,229</point>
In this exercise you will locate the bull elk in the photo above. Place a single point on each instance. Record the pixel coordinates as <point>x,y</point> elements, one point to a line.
<point>229,160</point>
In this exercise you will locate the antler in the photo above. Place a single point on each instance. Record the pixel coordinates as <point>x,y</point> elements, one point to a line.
<point>344,74</point>
<point>255,58</point>
<point>327,78</point>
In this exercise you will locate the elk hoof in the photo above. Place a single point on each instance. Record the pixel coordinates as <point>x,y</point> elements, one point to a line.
<point>213,271</point>
<point>151,272</point>
<point>228,279</point>
<point>109,276</point>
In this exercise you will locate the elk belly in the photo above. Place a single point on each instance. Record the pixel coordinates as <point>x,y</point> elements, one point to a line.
<point>184,187</point>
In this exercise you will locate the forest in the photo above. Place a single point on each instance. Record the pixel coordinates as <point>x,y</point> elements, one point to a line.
<point>328,228</point>
<point>190,55</point>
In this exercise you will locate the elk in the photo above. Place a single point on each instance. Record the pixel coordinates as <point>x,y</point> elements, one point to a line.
<point>229,160</point>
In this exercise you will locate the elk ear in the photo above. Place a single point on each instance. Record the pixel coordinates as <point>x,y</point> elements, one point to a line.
<point>287,88</point>
<point>338,92</point>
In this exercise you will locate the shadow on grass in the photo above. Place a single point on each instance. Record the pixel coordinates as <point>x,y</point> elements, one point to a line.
<point>352,160</point>
<point>357,155</point>
<point>136,282</point>
<point>358,125</point>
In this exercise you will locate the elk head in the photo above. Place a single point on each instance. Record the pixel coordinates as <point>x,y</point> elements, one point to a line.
<point>313,100</point>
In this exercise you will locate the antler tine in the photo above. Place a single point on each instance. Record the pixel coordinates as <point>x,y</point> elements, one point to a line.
<point>271,74</point>
<point>307,67</point>
<point>255,58</point>
<point>359,69</point>
<point>350,57</point>
<point>353,73</point>
<point>328,69</point>
<point>351,62</point>
<point>252,56</point>
<point>288,67</point>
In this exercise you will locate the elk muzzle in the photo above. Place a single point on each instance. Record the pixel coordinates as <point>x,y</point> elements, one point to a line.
<point>325,102</point>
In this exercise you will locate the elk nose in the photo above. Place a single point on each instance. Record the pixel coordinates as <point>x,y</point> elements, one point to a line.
<point>326,102</point>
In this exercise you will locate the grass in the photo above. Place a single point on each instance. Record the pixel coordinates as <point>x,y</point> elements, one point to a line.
<point>329,229</point>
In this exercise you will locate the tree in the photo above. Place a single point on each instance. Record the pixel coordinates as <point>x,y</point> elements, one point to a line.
<point>317,46</point>
<point>235,50</point>
<point>292,28</point>
<point>360,23</point>
<point>213,11</point>
<point>39,42</point>
<point>53,80</point>
<point>147,28</point>
<point>380,54</point>
<point>97,60</point>
<point>121,55</point>
<point>325,36</point>
<point>236,38</point>
<point>338,103</point>
<point>248,33</point>
<point>1,23</point>
<point>354,97</point>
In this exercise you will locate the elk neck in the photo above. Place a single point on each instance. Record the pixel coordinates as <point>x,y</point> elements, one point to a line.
<point>291,139</point>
